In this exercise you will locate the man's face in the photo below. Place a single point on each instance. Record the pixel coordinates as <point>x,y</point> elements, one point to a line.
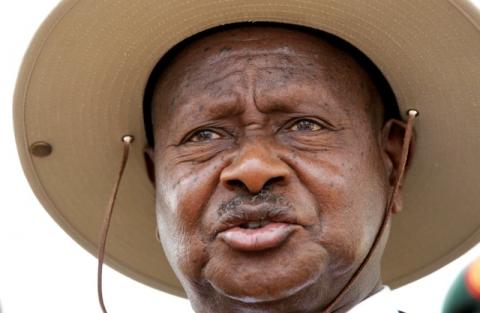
<point>270,168</point>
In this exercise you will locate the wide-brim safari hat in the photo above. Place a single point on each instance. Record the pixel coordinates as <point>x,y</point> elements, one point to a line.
<point>82,84</point>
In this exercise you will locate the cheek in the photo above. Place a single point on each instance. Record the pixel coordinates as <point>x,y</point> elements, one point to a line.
<point>182,195</point>
<point>349,197</point>
<point>184,189</point>
<point>346,241</point>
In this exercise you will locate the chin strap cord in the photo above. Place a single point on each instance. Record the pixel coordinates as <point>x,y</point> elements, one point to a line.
<point>127,140</point>
<point>412,114</point>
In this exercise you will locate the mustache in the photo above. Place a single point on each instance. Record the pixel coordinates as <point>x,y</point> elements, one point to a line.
<point>267,204</point>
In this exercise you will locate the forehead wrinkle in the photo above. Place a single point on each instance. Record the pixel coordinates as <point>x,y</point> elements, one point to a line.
<point>299,61</point>
<point>326,88</point>
<point>287,56</point>
<point>241,53</point>
<point>220,79</point>
<point>213,108</point>
<point>218,60</point>
<point>280,100</point>
<point>195,85</point>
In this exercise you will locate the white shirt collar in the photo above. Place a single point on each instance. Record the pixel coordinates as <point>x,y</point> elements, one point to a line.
<point>381,302</point>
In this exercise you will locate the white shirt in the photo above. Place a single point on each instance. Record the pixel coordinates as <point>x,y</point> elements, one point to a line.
<point>381,302</point>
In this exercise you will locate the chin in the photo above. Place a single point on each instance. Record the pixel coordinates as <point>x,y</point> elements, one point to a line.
<point>267,276</point>
<point>265,296</point>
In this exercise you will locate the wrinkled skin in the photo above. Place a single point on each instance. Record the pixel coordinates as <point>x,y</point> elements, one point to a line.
<point>277,120</point>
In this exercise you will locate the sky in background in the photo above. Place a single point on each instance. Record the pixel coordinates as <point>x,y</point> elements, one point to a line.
<point>43,270</point>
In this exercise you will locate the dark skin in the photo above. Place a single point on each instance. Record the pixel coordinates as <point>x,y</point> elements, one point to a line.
<point>273,124</point>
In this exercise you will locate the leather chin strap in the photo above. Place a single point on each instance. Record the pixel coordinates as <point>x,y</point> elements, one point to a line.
<point>127,140</point>
<point>407,139</point>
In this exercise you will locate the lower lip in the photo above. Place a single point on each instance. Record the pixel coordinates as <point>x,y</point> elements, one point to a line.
<point>267,237</point>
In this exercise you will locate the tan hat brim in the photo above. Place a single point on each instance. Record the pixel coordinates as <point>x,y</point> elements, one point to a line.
<point>81,89</point>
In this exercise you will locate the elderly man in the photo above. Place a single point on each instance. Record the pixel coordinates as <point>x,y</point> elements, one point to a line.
<point>277,152</point>
<point>276,164</point>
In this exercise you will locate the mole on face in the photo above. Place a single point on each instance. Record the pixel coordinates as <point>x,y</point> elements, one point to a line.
<point>281,180</point>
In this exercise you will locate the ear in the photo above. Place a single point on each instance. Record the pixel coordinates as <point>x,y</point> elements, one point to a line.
<point>148,154</point>
<point>393,134</point>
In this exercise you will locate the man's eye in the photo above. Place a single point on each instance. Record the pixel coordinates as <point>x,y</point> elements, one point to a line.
<point>203,135</point>
<point>305,125</point>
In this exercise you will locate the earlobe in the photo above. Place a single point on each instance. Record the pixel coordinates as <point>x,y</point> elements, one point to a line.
<point>148,154</point>
<point>392,140</point>
<point>393,134</point>
<point>397,203</point>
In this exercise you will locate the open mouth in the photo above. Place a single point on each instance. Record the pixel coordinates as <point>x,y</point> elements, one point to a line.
<point>254,224</point>
<point>246,227</point>
<point>257,235</point>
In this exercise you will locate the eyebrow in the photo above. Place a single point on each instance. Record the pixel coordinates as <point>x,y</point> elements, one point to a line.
<point>215,110</point>
<point>274,100</point>
<point>278,104</point>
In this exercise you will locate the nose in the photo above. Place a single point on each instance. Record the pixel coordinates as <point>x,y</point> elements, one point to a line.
<point>255,168</point>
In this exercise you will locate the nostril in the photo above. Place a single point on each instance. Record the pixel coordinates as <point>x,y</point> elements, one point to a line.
<point>254,174</point>
<point>273,181</point>
<point>236,184</point>
<point>239,185</point>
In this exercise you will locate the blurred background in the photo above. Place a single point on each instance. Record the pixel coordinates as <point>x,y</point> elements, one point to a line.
<point>43,270</point>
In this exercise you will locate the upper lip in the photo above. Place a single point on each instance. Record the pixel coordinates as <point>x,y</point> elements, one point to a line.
<point>246,213</point>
